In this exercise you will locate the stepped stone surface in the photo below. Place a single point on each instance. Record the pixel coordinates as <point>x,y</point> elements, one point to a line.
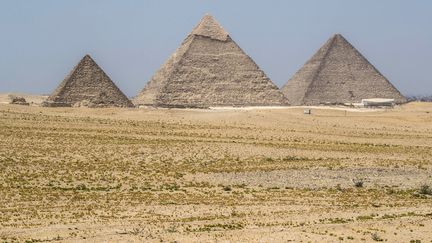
<point>209,69</point>
<point>338,74</point>
<point>87,85</point>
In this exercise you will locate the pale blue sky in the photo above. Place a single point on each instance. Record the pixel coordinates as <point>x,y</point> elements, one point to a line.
<point>41,41</point>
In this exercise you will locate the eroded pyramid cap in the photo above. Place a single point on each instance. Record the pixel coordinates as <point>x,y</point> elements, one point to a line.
<point>209,27</point>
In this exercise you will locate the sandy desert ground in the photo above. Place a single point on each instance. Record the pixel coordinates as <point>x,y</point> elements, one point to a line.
<point>251,175</point>
<point>31,99</point>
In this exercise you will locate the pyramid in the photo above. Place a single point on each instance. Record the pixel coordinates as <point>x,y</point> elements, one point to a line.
<point>88,85</point>
<point>209,69</point>
<point>338,74</point>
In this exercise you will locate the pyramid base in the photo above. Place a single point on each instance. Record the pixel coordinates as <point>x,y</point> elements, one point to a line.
<point>206,106</point>
<point>20,103</point>
<point>83,104</point>
<point>55,104</point>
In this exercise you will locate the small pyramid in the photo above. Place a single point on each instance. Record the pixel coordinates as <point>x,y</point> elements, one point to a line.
<point>209,69</point>
<point>87,84</point>
<point>338,74</point>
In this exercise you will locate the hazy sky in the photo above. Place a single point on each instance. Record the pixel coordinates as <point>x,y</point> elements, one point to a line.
<point>41,41</point>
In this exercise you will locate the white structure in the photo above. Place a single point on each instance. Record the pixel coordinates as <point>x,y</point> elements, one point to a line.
<point>378,102</point>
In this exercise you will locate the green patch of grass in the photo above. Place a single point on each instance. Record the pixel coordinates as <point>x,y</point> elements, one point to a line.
<point>365,217</point>
<point>219,227</point>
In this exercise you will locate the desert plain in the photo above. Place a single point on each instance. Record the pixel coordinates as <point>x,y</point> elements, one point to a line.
<point>221,175</point>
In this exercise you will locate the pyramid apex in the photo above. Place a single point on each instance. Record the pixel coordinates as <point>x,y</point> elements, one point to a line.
<point>209,27</point>
<point>339,36</point>
<point>87,57</point>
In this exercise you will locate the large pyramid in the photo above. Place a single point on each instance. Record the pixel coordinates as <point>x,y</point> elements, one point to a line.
<point>88,85</point>
<point>338,74</point>
<point>209,69</point>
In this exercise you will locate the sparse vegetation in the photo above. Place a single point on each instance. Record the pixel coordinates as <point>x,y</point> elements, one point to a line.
<point>227,188</point>
<point>358,183</point>
<point>376,237</point>
<point>425,190</point>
